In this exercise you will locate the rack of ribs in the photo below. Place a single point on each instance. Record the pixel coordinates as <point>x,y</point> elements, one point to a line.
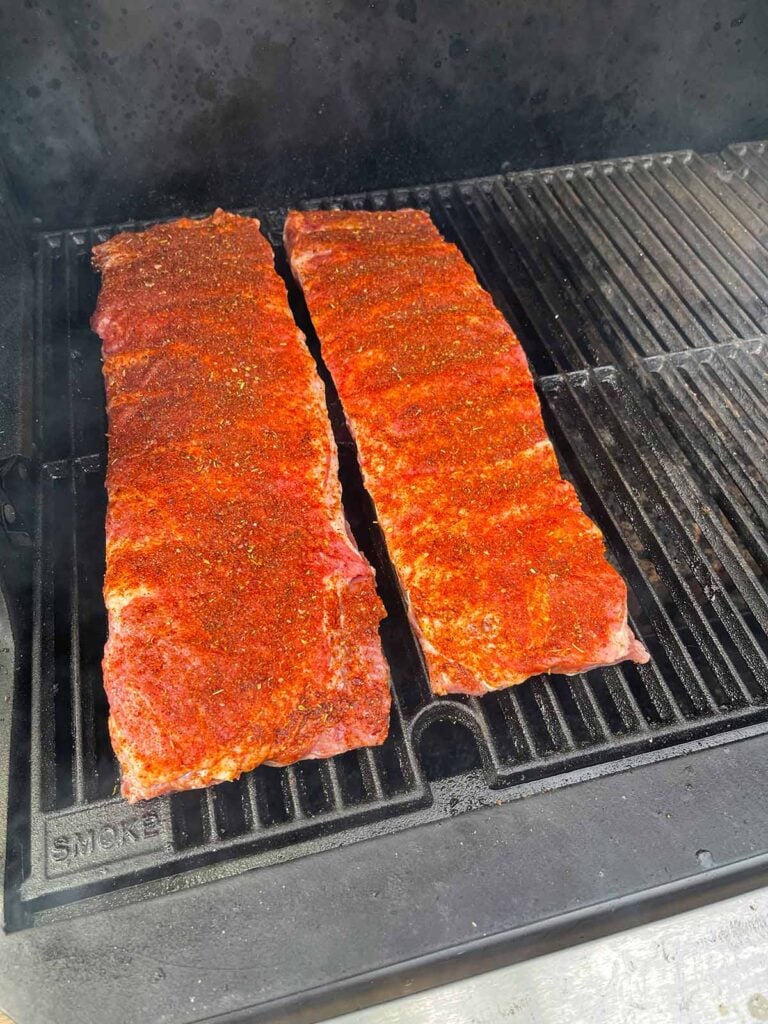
<point>243,621</point>
<point>504,575</point>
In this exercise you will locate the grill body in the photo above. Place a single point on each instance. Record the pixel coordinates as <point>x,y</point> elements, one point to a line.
<point>651,368</point>
<point>483,830</point>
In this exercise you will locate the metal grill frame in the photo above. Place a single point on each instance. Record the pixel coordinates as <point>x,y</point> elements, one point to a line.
<point>618,843</point>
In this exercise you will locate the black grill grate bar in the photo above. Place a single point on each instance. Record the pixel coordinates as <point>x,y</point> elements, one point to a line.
<point>748,393</point>
<point>209,813</point>
<point>735,298</point>
<point>548,312</point>
<point>662,702</point>
<point>76,693</point>
<point>709,437</point>
<point>234,811</point>
<point>725,413</point>
<point>101,764</point>
<point>750,159</point>
<point>291,792</point>
<point>81,704</point>
<point>736,402</point>
<point>519,227</point>
<point>741,271</point>
<point>655,464</point>
<point>591,713</point>
<point>642,327</point>
<point>739,368</point>
<point>713,459</point>
<point>663,559</point>
<point>64,338</point>
<point>738,181</point>
<point>251,795</point>
<point>729,191</point>
<point>601,336</point>
<point>55,398</point>
<point>58,523</point>
<point>552,712</point>
<point>585,471</point>
<point>78,711</point>
<point>513,739</point>
<point>371,774</point>
<point>330,771</point>
<point>407,758</point>
<point>646,270</point>
<point>757,395</point>
<point>40,766</point>
<point>513,699</point>
<point>262,835</point>
<point>627,708</point>
<point>698,287</point>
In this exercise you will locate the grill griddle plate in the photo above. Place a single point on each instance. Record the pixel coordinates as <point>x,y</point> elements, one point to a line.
<point>638,289</point>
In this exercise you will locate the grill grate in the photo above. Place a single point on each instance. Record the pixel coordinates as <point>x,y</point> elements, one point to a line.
<point>636,288</point>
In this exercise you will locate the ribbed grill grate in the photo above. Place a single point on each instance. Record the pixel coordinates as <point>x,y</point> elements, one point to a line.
<point>637,288</point>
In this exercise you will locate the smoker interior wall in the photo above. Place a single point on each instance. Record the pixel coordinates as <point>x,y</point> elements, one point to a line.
<point>16,407</point>
<point>109,109</point>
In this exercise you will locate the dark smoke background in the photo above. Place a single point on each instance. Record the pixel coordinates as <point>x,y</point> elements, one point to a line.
<point>110,110</point>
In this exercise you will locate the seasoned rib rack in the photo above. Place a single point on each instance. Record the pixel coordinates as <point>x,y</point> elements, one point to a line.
<point>506,577</point>
<point>590,272</point>
<point>242,619</point>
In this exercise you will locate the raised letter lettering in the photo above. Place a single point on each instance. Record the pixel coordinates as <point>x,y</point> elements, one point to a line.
<point>60,849</point>
<point>83,843</point>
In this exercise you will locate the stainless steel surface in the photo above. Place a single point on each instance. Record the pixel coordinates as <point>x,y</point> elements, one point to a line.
<point>708,965</point>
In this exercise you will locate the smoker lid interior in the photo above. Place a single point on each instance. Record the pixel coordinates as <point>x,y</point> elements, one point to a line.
<point>123,110</point>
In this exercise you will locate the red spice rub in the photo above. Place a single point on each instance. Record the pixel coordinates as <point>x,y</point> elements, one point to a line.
<point>242,619</point>
<point>505,575</point>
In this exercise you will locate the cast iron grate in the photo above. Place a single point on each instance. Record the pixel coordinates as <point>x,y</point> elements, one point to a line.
<point>615,277</point>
